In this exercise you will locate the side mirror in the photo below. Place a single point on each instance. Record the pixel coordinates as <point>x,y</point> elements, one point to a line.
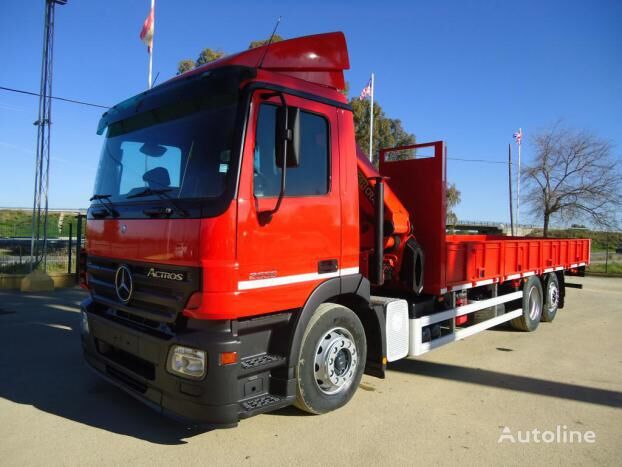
<point>288,136</point>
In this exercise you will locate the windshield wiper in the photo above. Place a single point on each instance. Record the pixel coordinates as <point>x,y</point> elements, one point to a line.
<point>104,200</point>
<point>162,193</point>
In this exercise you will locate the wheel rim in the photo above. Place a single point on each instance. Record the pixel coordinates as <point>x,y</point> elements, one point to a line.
<point>336,360</point>
<point>553,293</point>
<point>535,303</point>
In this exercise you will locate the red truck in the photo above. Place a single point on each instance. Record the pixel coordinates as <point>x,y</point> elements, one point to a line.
<point>242,255</point>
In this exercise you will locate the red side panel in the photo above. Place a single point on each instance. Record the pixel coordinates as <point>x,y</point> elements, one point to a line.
<point>420,184</point>
<point>472,259</point>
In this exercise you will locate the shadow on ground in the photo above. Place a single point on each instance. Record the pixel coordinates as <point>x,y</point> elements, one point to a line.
<point>42,366</point>
<point>507,381</point>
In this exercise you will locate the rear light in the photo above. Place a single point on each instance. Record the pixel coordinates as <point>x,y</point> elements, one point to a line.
<point>460,320</point>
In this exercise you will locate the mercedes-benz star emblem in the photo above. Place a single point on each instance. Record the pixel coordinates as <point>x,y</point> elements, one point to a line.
<point>123,283</point>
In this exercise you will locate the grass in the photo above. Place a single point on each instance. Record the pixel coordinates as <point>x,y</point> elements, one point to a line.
<point>612,268</point>
<point>600,240</point>
<point>24,268</point>
<point>16,223</point>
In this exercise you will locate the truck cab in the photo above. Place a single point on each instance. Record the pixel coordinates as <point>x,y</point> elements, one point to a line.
<point>226,201</point>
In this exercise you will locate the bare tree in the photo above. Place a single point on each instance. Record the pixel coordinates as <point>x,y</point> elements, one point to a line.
<point>574,176</point>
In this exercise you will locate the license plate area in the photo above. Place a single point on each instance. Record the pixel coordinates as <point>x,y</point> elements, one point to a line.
<point>126,350</point>
<point>118,338</point>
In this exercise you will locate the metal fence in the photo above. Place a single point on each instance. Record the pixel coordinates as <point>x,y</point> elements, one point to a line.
<point>62,251</point>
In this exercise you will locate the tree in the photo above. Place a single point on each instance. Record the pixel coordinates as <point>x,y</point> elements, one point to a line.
<point>388,132</point>
<point>209,55</point>
<point>206,56</point>
<point>573,176</point>
<point>255,44</point>
<point>185,65</point>
<point>452,195</point>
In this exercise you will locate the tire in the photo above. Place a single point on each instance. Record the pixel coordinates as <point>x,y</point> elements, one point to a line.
<point>332,359</point>
<point>532,306</point>
<point>551,297</point>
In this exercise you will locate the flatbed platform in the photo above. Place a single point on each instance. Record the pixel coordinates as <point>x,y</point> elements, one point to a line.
<point>475,260</point>
<point>417,174</point>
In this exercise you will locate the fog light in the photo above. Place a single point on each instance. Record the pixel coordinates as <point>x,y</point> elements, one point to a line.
<point>187,362</point>
<point>85,322</point>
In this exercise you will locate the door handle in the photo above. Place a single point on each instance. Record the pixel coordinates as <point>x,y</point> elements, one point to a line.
<point>328,265</point>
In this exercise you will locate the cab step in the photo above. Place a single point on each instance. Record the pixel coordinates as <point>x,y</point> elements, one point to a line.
<point>263,403</point>
<point>261,362</point>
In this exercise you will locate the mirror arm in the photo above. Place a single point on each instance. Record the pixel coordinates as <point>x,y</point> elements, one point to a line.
<point>266,216</point>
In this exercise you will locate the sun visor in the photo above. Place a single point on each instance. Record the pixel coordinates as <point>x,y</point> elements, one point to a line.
<point>212,82</point>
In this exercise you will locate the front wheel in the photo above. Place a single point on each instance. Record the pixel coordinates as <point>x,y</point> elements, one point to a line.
<point>332,359</point>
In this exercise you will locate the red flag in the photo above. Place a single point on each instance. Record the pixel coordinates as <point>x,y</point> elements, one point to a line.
<point>146,33</point>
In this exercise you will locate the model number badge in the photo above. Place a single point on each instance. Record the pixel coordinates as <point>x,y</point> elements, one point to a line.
<point>262,275</point>
<point>171,276</point>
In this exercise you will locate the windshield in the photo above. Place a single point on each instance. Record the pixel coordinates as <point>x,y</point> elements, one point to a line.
<point>183,152</point>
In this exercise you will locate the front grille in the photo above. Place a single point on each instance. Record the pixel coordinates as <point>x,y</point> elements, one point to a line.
<point>154,300</point>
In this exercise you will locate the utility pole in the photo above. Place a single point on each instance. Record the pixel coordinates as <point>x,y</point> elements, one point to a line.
<point>510,186</point>
<point>520,130</point>
<point>38,241</point>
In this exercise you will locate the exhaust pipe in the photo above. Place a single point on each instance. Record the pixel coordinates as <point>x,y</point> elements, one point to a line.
<point>377,266</point>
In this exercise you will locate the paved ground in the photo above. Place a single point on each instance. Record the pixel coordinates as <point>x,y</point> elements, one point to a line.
<point>446,408</point>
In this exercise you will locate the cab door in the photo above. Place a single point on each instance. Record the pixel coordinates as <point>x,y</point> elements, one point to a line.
<point>282,260</point>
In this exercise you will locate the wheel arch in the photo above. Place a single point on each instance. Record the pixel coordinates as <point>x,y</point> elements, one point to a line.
<point>353,292</point>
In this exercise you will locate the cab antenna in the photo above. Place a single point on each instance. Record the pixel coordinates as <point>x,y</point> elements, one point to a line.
<point>278,21</point>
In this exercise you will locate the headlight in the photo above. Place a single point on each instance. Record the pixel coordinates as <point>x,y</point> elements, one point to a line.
<point>85,322</point>
<point>187,362</point>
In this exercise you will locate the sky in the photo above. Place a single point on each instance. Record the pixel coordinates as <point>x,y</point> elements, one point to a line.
<point>466,72</point>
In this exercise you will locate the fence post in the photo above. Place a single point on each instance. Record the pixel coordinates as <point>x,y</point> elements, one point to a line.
<point>78,244</point>
<point>607,255</point>
<point>69,249</point>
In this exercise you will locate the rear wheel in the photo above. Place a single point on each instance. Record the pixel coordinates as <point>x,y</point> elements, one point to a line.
<point>551,297</point>
<point>532,306</point>
<point>332,359</point>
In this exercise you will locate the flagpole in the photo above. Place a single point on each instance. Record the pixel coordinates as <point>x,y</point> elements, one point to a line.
<point>151,48</point>
<point>520,131</point>
<point>371,119</point>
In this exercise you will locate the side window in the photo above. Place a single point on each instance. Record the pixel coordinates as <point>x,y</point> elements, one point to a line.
<point>311,176</point>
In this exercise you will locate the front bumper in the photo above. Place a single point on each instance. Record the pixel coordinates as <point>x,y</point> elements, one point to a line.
<point>136,361</point>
